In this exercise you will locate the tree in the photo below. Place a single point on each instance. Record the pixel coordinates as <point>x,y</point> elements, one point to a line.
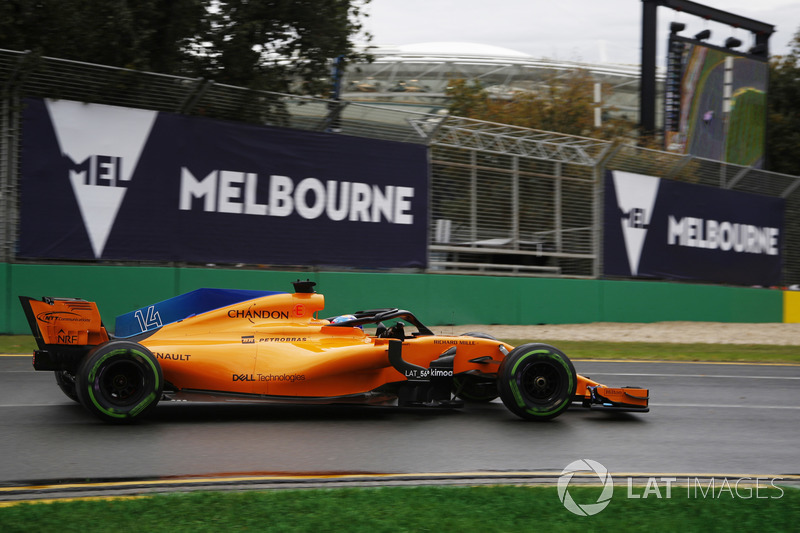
<point>146,34</point>
<point>783,102</point>
<point>468,100</point>
<point>256,44</point>
<point>562,104</point>
<point>268,45</point>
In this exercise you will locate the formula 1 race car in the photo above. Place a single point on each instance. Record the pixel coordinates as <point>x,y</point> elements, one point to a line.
<point>257,346</point>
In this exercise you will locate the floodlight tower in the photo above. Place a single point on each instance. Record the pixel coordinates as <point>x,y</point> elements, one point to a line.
<point>647,83</point>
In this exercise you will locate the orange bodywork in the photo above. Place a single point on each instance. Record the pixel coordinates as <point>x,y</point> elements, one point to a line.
<point>277,346</point>
<point>593,393</point>
<point>68,321</point>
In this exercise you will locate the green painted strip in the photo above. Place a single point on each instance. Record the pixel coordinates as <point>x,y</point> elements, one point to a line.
<point>434,298</point>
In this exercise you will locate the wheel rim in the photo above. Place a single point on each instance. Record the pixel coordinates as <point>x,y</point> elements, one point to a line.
<point>540,382</point>
<point>121,382</point>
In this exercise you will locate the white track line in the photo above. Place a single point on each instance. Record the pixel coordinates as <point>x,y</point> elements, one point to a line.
<point>722,376</point>
<point>725,406</point>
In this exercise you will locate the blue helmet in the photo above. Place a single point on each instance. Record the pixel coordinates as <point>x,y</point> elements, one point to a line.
<point>344,318</point>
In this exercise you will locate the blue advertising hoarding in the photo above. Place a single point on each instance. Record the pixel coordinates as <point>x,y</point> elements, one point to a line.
<point>665,229</point>
<point>113,183</point>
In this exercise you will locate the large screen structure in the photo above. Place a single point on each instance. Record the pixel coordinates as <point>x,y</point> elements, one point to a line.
<point>715,103</point>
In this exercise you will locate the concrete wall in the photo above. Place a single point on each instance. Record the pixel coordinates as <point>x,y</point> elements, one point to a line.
<point>435,298</point>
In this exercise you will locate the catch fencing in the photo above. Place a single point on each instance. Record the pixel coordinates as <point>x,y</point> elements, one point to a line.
<point>504,200</point>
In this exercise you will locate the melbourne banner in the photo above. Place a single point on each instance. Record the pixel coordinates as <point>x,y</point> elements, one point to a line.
<point>112,183</point>
<point>658,228</point>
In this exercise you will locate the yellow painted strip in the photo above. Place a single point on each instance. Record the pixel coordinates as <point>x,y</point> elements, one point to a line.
<point>532,476</point>
<point>372,477</point>
<point>16,355</point>
<point>202,480</point>
<point>82,499</point>
<point>791,307</point>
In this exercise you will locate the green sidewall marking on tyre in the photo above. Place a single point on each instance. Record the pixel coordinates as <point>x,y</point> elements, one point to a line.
<point>546,413</point>
<point>143,404</point>
<point>138,408</point>
<point>518,394</point>
<point>513,382</point>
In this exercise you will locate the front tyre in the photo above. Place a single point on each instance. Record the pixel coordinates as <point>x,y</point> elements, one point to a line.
<point>537,381</point>
<point>119,381</point>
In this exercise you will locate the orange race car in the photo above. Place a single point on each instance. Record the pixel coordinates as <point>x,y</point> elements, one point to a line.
<point>257,346</point>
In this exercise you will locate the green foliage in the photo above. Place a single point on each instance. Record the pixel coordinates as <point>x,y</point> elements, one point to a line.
<point>467,100</point>
<point>259,45</point>
<point>147,34</point>
<point>784,112</point>
<point>249,42</point>
<point>562,104</point>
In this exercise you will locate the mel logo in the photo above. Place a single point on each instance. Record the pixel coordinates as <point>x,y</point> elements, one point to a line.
<point>103,144</point>
<point>637,217</point>
<point>636,196</point>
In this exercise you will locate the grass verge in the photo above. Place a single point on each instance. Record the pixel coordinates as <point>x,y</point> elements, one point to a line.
<point>645,351</point>
<point>660,351</point>
<point>21,344</point>
<point>441,509</point>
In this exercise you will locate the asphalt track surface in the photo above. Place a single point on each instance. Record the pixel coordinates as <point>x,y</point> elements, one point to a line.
<point>705,419</point>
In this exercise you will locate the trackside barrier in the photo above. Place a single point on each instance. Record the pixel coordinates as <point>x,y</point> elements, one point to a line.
<point>437,299</point>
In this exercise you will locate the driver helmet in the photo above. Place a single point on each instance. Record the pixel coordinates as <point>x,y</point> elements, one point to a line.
<point>344,318</point>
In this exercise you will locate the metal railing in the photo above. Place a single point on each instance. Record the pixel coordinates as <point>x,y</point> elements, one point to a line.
<point>504,199</point>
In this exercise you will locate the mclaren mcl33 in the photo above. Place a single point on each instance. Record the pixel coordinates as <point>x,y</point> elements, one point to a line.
<point>257,346</point>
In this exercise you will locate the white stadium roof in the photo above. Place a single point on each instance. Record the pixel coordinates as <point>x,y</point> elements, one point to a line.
<point>418,74</point>
<point>458,49</point>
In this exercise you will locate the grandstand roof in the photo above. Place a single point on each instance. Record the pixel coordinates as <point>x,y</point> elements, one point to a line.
<point>460,49</point>
<point>418,74</point>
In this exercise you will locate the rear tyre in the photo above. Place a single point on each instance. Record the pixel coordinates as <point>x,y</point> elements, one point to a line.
<point>537,381</point>
<point>66,382</point>
<point>119,381</point>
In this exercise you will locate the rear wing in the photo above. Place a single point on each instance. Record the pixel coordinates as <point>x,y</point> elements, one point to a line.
<point>64,329</point>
